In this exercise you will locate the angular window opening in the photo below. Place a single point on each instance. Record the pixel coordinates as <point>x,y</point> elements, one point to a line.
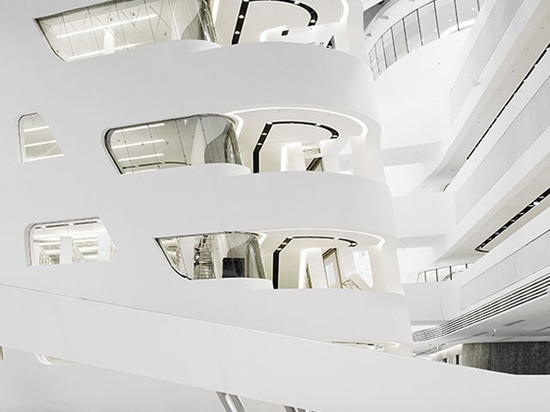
<point>214,255</point>
<point>75,241</point>
<point>35,139</point>
<point>186,141</point>
<point>121,25</point>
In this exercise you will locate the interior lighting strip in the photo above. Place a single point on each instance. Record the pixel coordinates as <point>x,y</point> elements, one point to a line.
<point>508,102</point>
<point>286,242</point>
<point>509,223</point>
<point>243,10</point>
<point>267,129</point>
<point>108,26</point>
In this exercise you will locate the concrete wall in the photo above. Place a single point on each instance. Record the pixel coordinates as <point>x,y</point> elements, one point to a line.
<point>522,358</point>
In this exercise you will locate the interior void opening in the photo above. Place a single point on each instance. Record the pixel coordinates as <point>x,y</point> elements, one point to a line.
<point>35,139</point>
<point>120,25</point>
<point>214,255</point>
<point>75,241</point>
<point>193,140</point>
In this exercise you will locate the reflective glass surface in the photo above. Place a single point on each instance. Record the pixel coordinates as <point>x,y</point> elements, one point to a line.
<point>389,49</point>
<point>446,17</point>
<point>35,139</point>
<point>399,40</point>
<point>412,31</point>
<point>214,255</point>
<point>74,241</point>
<point>171,143</point>
<point>428,23</point>
<point>124,24</point>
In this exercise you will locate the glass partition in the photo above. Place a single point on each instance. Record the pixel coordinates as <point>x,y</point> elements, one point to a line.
<point>124,24</point>
<point>171,143</point>
<point>214,255</point>
<point>432,21</point>
<point>35,139</point>
<point>74,241</point>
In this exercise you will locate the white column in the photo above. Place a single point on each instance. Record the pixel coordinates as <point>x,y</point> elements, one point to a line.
<point>104,246</point>
<point>292,157</point>
<point>360,158</point>
<point>346,262</point>
<point>371,152</point>
<point>66,245</point>
<point>199,145</point>
<point>314,260</point>
<point>108,42</point>
<point>385,268</point>
<point>330,159</point>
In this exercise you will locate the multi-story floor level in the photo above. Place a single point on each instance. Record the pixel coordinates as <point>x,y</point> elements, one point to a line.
<point>270,205</point>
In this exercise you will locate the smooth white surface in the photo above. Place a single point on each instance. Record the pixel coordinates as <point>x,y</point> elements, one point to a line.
<point>224,358</point>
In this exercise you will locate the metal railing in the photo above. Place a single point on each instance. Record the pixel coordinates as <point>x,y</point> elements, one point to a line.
<point>434,20</point>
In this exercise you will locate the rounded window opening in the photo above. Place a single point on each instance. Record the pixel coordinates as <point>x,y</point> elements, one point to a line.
<point>120,25</point>
<point>75,241</point>
<point>199,139</point>
<point>214,255</point>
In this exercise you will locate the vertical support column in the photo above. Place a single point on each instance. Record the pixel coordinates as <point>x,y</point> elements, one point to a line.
<point>66,245</point>
<point>314,260</point>
<point>372,155</point>
<point>346,262</point>
<point>359,155</point>
<point>199,145</point>
<point>104,246</point>
<point>330,160</point>
<point>35,254</point>
<point>385,267</point>
<point>292,157</point>
<point>108,42</point>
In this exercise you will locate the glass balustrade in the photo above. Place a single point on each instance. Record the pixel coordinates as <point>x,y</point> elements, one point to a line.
<point>432,21</point>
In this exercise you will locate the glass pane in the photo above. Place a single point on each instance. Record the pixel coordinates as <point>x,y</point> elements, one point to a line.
<point>380,56</point>
<point>398,31</point>
<point>412,31</point>
<point>36,140</point>
<point>172,143</point>
<point>467,13</point>
<point>389,51</point>
<point>124,24</point>
<point>373,63</point>
<point>214,255</point>
<point>74,241</point>
<point>446,17</point>
<point>428,24</point>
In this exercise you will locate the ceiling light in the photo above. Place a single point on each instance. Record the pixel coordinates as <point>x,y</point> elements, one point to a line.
<point>120,146</point>
<point>141,157</point>
<point>35,129</point>
<point>40,143</point>
<point>108,26</point>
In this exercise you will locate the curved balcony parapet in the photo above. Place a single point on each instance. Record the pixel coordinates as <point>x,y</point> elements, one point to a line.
<point>429,22</point>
